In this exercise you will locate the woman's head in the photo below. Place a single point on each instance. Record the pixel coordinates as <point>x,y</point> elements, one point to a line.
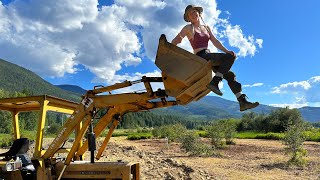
<point>192,12</point>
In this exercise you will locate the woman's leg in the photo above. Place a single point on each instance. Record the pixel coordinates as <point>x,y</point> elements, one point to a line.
<point>221,64</point>
<point>235,87</point>
<point>223,61</point>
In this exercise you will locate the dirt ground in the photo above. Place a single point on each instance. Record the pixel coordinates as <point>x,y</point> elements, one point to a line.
<point>247,159</point>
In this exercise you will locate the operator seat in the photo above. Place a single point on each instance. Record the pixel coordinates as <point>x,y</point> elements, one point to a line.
<point>19,146</point>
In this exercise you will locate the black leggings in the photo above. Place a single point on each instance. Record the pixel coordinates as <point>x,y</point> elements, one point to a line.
<point>222,62</point>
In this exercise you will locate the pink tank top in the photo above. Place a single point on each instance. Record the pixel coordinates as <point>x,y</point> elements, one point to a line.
<point>200,40</point>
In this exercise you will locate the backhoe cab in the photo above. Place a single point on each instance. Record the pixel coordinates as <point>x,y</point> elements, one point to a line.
<point>186,84</point>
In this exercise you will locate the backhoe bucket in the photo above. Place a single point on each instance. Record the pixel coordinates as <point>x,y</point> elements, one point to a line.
<point>185,75</point>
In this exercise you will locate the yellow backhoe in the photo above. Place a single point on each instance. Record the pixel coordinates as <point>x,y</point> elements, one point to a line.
<point>184,76</point>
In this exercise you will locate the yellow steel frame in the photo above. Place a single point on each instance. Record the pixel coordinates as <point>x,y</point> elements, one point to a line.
<point>35,103</point>
<point>117,105</point>
<point>15,120</point>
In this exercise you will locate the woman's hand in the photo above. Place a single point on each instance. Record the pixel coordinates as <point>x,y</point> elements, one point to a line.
<point>232,53</point>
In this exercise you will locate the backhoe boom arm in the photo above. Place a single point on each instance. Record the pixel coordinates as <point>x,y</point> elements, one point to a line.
<point>116,104</point>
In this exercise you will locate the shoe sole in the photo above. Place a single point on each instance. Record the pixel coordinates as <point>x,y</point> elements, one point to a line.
<point>216,91</point>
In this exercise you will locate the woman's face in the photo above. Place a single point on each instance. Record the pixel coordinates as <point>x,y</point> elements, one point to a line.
<point>193,15</point>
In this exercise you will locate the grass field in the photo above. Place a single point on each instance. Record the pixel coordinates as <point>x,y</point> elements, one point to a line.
<point>310,135</point>
<point>135,134</point>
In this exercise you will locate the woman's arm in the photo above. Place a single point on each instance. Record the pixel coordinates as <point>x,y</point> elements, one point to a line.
<point>183,33</point>
<point>218,44</point>
<point>177,39</point>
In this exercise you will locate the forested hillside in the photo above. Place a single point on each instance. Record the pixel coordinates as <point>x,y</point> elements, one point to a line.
<point>311,114</point>
<point>72,88</point>
<point>14,78</point>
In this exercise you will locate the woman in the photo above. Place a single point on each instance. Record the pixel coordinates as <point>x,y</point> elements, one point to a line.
<point>199,36</point>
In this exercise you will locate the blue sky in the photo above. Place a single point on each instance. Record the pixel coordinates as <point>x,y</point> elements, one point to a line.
<point>88,43</point>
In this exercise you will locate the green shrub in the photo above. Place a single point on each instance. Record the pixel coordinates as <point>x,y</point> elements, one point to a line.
<point>191,143</point>
<point>188,141</point>
<point>139,136</point>
<point>229,127</point>
<point>156,132</point>
<point>216,135</point>
<point>222,130</point>
<point>143,130</point>
<point>293,139</point>
<point>5,141</point>
<point>172,132</point>
<point>203,149</point>
<point>134,137</point>
<point>203,134</point>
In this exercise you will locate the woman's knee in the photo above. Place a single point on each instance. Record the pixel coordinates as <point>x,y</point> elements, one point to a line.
<point>230,57</point>
<point>230,76</point>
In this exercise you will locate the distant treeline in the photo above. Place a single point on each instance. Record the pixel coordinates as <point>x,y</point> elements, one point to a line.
<point>276,121</point>
<point>151,119</point>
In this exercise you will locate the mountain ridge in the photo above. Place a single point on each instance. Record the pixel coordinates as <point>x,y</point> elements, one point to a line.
<point>16,78</point>
<point>72,88</point>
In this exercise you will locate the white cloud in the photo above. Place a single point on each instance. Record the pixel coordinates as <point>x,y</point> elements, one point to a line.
<point>315,79</point>
<point>140,12</point>
<point>3,20</point>
<point>302,92</point>
<point>58,15</point>
<point>52,37</point>
<point>297,102</point>
<point>292,87</point>
<point>291,106</point>
<point>246,45</point>
<point>253,85</point>
<point>259,42</point>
